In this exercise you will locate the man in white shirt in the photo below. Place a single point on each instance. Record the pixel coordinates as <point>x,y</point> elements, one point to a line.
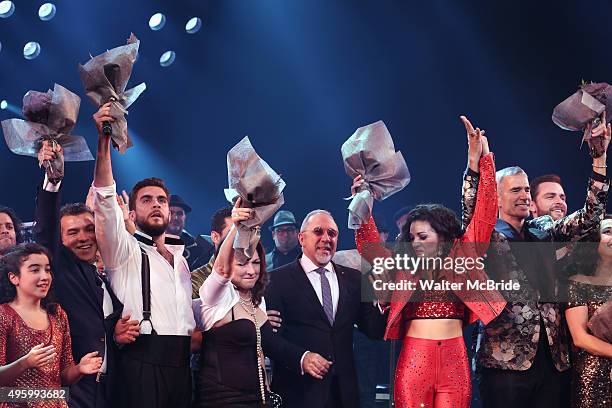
<point>156,366</point>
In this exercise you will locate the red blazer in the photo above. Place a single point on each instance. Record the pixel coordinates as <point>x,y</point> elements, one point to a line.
<point>482,305</point>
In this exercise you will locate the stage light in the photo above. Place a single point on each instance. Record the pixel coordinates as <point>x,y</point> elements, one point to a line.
<point>47,11</point>
<point>7,8</point>
<point>3,104</point>
<point>157,21</point>
<point>31,50</point>
<point>167,58</point>
<point>193,25</point>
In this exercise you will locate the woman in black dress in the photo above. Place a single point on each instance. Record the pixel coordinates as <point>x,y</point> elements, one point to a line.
<point>236,329</point>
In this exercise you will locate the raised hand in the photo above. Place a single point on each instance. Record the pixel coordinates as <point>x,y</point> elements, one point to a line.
<point>103,115</point>
<point>315,365</point>
<point>126,330</point>
<point>51,157</point>
<point>475,143</point>
<point>600,137</point>
<point>357,183</point>
<point>124,203</point>
<point>240,214</point>
<point>90,363</point>
<point>39,356</point>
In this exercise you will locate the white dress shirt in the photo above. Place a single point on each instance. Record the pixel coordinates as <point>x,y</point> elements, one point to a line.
<point>171,312</point>
<point>107,308</point>
<point>315,280</point>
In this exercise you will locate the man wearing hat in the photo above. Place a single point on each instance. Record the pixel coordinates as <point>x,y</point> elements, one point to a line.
<point>285,235</point>
<point>195,253</point>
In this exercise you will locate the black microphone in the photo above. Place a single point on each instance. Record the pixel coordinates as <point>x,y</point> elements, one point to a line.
<point>107,130</point>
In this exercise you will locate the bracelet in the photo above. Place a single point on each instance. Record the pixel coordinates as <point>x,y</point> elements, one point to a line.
<point>600,167</point>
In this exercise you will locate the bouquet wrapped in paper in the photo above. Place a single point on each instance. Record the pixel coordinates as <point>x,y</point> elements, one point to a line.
<point>260,188</point>
<point>105,78</point>
<point>600,324</point>
<point>584,110</point>
<point>370,152</point>
<point>50,116</point>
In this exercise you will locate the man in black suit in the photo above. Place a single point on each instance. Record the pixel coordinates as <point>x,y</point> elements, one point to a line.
<point>319,303</point>
<point>93,309</point>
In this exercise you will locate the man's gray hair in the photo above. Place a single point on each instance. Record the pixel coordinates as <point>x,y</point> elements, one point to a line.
<point>310,215</point>
<point>508,171</point>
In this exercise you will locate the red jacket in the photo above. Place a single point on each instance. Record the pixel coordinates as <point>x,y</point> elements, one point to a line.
<point>482,305</point>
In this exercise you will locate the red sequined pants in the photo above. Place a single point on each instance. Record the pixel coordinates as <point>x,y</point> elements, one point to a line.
<point>433,374</point>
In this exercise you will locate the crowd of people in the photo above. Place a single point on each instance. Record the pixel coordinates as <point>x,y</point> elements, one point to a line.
<point>158,317</point>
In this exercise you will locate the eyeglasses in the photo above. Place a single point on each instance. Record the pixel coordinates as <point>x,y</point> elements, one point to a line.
<point>290,230</point>
<point>318,231</point>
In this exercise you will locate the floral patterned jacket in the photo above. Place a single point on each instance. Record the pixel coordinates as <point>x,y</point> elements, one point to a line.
<point>511,340</point>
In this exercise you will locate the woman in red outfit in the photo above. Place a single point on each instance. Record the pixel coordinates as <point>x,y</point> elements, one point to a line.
<point>433,368</point>
<point>35,346</point>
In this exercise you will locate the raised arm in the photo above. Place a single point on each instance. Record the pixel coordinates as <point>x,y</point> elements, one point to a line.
<point>471,176</point>
<point>367,237</point>
<point>223,261</point>
<point>48,200</point>
<point>580,223</point>
<point>481,226</point>
<point>103,174</point>
<point>115,243</point>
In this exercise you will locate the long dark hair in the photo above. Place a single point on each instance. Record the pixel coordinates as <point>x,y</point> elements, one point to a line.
<point>585,256</point>
<point>443,220</point>
<point>262,281</point>
<point>12,262</point>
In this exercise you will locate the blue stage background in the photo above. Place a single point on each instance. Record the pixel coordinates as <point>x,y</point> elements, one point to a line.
<point>299,77</point>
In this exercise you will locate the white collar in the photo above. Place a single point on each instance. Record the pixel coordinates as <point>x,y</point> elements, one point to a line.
<point>310,266</point>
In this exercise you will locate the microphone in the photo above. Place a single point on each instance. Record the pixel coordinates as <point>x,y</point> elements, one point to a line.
<point>107,130</point>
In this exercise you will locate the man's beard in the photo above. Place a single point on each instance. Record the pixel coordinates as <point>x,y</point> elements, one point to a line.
<point>6,245</point>
<point>151,230</point>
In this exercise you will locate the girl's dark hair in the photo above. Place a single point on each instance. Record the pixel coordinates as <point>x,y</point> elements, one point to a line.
<point>262,281</point>
<point>16,222</point>
<point>12,262</point>
<point>585,255</point>
<point>442,219</point>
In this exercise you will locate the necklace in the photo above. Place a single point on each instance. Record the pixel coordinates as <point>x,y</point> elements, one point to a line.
<point>249,307</point>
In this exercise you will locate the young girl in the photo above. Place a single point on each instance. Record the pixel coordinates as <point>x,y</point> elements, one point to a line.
<point>35,346</point>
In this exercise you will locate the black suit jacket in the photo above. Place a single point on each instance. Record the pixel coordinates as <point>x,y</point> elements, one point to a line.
<point>305,324</point>
<point>78,289</point>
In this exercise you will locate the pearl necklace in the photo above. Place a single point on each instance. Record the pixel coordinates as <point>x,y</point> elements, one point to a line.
<point>250,308</point>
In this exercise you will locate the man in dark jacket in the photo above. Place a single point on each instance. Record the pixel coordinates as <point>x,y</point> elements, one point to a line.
<point>319,303</point>
<point>93,309</point>
<point>524,353</point>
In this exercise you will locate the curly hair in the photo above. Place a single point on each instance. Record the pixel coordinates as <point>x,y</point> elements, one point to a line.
<point>585,255</point>
<point>262,281</point>
<point>17,224</point>
<point>12,262</point>
<point>443,220</point>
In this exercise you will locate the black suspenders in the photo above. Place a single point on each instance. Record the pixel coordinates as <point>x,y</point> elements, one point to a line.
<point>145,273</point>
